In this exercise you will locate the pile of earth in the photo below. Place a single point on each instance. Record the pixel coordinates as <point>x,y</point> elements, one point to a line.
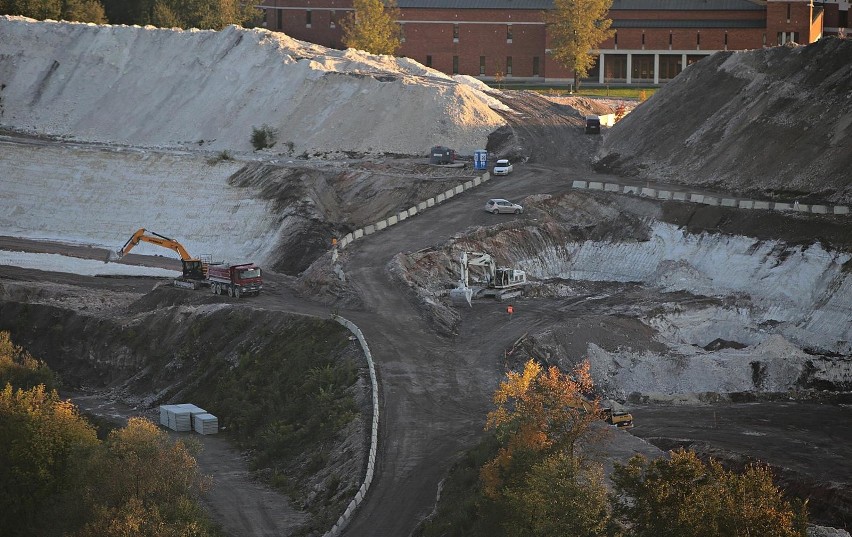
<point>770,123</point>
<point>211,90</point>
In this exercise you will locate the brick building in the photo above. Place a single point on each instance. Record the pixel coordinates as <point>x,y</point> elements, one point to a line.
<point>508,40</point>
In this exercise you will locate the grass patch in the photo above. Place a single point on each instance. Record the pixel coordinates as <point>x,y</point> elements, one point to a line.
<point>285,396</point>
<point>462,509</point>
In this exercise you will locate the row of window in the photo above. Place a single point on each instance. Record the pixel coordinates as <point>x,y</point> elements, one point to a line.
<point>498,69</point>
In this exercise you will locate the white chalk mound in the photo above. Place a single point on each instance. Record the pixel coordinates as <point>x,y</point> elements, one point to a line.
<point>207,89</point>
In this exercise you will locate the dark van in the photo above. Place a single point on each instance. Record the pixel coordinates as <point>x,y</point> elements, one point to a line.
<point>593,125</point>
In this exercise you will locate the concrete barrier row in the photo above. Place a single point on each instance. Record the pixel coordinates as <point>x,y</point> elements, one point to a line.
<point>705,199</point>
<point>411,211</point>
<point>344,519</point>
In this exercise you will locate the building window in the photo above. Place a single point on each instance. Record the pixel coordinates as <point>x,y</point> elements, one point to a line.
<point>308,18</point>
<point>455,65</point>
<point>535,66</point>
<point>615,36</point>
<point>333,23</point>
<point>509,33</point>
<point>455,33</point>
<point>643,38</point>
<point>788,12</point>
<point>402,33</point>
<point>671,37</point>
<point>481,65</point>
<point>698,39</point>
<point>508,66</point>
<point>726,38</point>
<point>428,61</point>
<point>280,19</point>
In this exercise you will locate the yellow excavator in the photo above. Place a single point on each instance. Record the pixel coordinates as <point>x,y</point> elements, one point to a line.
<point>194,268</point>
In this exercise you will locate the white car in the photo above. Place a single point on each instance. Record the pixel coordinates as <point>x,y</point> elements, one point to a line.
<point>498,205</point>
<point>502,167</point>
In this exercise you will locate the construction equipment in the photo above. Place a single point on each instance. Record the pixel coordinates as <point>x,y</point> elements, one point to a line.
<point>488,280</point>
<point>613,416</point>
<point>235,280</point>
<point>194,269</point>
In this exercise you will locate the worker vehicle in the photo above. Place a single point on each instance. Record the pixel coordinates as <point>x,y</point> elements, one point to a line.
<point>502,167</point>
<point>441,155</point>
<point>593,125</point>
<point>194,269</point>
<point>235,280</point>
<point>486,279</point>
<point>499,205</point>
<point>617,417</point>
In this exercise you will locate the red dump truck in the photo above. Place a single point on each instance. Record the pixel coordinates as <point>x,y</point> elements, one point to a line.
<point>235,280</point>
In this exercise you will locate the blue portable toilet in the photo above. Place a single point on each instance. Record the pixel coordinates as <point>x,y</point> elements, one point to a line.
<point>480,159</point>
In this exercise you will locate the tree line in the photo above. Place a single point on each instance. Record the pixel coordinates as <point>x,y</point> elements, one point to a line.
<point>203,14</point>
<point>542,476</point>
<point>58,478</point>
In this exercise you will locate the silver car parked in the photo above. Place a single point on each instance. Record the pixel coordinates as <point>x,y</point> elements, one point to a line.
<point>498,205</point>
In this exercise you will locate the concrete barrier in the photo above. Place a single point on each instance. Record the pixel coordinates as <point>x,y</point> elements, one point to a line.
<point>486,177</point>
<point>628,189</point>
<point>595,185</point>
<point>611,187</point>
<point>430,202</point>
<point>402,215</point>
<point>782,206</point>
<point>801,207</point>
<point>381,225</point>
<point>468,185</point>
<point>664,195</point>
<point>392,220</point>
<point>412,211</point>
<point>344,519</point>
<point>841,209</point>
<point>477,181</point>
<point>449,194</point>
<point>369,230</point>
<point>459,189</point>
<point>729,202</point>
<point>422,206</point>
<point>819,209</point>
<point>679,196</point>
<point>711,200</point>
<point>696,198</point>
<point>746,204</point>
<point>649,192</point>
<point>579,184</point>
<point>761,205</point>
<point>358,233</point>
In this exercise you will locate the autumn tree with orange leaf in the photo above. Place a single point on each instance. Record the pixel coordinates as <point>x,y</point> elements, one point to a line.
<point>542,476</point>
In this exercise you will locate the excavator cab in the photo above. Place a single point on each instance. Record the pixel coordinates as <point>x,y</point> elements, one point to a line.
<point>194,269</point>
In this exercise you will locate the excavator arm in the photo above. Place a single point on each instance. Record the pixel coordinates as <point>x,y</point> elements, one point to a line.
<point>193,268</point>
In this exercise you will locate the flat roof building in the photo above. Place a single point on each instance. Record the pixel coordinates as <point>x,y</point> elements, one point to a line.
<point>507,40</point>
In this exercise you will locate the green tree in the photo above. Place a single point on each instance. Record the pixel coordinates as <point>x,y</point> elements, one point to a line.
<point>557,497</point>
<point>683,497</point>
<point>202,14</point>
<point>577,28</point>
<point>373,27</point>
<point>42,437</point>
<point>70,10</point>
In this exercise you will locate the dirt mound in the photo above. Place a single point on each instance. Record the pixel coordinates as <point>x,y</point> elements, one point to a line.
<point>773,122</point>
<point>208,90</point>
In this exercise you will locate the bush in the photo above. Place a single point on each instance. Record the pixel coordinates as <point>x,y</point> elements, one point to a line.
<point>263,137</point>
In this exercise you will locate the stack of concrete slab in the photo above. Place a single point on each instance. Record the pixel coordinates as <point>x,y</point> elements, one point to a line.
<point>179,417</point>
<point>205,423</point>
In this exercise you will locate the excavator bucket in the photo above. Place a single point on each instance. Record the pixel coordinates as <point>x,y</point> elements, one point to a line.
<point>112,256</point>
<point>461,295</point>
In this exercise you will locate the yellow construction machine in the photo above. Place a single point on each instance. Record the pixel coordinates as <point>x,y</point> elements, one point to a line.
<point>194,269</point>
